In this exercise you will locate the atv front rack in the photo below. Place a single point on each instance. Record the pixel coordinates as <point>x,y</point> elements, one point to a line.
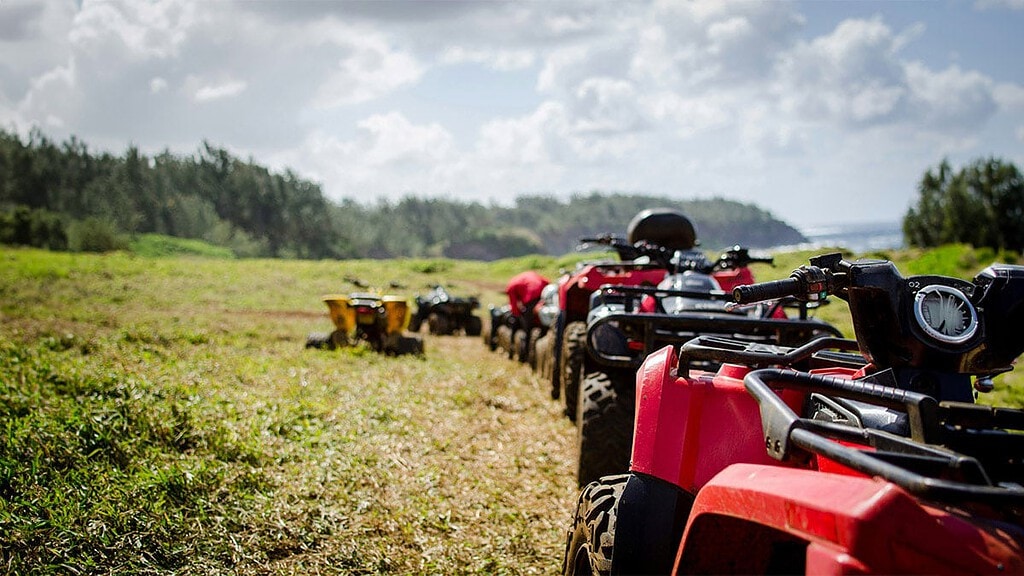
<point>956,452</point>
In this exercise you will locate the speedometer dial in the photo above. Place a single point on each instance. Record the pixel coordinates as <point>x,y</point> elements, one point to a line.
<point>945,314</point>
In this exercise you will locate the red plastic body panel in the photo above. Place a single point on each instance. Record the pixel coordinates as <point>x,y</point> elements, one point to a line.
<point>689,429</point>
<point>575,290</point>
<point>853,525</point>
<point>703,434</point>
<point>729,279</point>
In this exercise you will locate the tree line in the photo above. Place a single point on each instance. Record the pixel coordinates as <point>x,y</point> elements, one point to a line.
<point>981,204</point>
<point>63,196</point>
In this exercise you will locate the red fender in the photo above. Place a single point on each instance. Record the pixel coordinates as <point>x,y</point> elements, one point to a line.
<point>853,525</point>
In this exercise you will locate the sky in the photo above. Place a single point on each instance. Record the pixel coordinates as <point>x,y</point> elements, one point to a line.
<point>820,112</point>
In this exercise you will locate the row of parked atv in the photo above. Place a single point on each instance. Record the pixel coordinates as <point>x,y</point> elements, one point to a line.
<point>721,429</point>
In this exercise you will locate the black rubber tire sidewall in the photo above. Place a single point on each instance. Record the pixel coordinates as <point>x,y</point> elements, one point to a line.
<point>591,537</point>
<point>574,347</point>
<point>474,326</point>
<point>439,324</point>
<point>604,426</point>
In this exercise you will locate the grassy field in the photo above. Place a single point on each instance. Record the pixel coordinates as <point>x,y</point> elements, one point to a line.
<point>161,415</point>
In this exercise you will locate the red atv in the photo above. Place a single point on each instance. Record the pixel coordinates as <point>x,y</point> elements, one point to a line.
<point>563,345</point>
<point>559,346</point>
<point>628,323</point>
<point>833,457</point>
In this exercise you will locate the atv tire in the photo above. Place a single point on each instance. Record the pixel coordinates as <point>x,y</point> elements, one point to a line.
<point>505,341</point>
<point>604,433</point>
<point>590,541</point>
<point>521,345</point>
<point>546,362</point>
<point>474,326</point>
<point>491,338</point>
<point>531,351</point>
<point>574,348</point>
<point>320,341</point>
<point>439,324</point>
<point>410,345</point>
<point>415,323</point>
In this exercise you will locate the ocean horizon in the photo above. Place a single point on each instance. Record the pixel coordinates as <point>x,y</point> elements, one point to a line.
<point>857,237</point>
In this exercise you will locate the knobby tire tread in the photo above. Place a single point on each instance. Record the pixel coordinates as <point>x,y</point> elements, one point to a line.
<point>605,424</point>
<point>593,529</point>
<point>574,347</point>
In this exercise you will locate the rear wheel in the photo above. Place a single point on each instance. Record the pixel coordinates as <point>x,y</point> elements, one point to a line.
<point>491,339</point>
<point>505,341</point>
<point>439,324</point>
<point>605,424</point>
<point>574,347</point>
<point>545,361</point>
<point>521,345</point>
<point>474,326</point>
<point>589,544</point>
<point>409,345</point>
<point>415,322</point>
<point>321,340</point>
<point>531,351</point>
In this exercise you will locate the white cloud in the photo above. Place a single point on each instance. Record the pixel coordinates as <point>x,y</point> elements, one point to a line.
<point>951,99</point>
<point>228,89</point>
<point>389,157</point>
<point>52,98</point>
<point>390,139</point>
<point>135,30</point>
<point>526,141</point>
<point>607,106</point>
<point>851,75</point>
<point>685,98</point>
<point>502,60</point>
<point>372,69</point>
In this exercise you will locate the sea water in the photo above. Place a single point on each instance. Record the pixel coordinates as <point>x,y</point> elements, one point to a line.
<point>857,237</point>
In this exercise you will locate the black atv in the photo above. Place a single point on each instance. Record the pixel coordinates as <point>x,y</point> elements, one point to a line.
<point>446,314</point>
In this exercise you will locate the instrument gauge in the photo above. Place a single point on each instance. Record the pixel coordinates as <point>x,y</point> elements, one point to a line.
<point>945,314</point>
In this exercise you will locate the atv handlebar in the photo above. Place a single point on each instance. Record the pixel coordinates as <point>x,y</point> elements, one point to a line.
<point>773,290</point>
<point>735,257</point>
<point>806,283</point>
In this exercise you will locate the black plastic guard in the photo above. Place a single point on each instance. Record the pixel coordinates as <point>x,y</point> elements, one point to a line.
<point>651,517</point>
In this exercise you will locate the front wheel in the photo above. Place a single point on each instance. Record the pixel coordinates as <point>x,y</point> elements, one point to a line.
<point>574,347</point>
<point>590,541</point>
<point>605,424</point>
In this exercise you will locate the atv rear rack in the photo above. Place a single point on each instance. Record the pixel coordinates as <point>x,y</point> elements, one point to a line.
<point>656,330</point>
<point>821,352</point>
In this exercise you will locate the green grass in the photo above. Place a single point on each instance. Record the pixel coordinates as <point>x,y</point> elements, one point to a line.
<point>158,245</point>
<point>160,415</point>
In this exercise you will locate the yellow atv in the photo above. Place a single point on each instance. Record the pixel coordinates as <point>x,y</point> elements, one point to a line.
<point>380,321</point>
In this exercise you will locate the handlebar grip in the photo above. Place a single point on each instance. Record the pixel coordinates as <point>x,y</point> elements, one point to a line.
<point>749,293</point>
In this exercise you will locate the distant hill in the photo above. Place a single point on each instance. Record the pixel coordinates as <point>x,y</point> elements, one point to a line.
<point>62,196</point>
<point>719,222</point>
